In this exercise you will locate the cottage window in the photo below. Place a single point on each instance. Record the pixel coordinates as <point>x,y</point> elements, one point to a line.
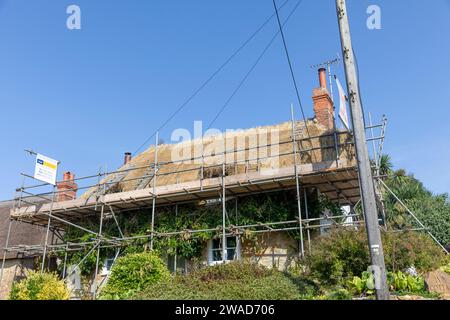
<point>231,252</point>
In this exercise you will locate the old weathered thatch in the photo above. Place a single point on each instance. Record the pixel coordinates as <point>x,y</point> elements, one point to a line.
<point>21,233</point>
<point>242,151</point>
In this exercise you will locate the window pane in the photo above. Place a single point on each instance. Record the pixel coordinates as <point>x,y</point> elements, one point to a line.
<point>216,248</point>
<point>217,255</point>
<point>231,242</point>
<point>216,244</point>
<point>230,254</point>
<point>109,263</point>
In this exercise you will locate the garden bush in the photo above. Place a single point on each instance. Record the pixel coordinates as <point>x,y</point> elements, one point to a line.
<point>231,281</point>
<point>338,294</point>
<point>405,283</point>
<point>363,285</point>
<point>343,254</point>
<point>398,282</point>
<point>132,273</point>
<point>340,255</point>
<point>39,286</point>
<point>406,249</point>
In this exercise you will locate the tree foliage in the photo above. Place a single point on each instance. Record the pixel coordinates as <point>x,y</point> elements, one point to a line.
<point>432,210</point>
<point>434,213</point>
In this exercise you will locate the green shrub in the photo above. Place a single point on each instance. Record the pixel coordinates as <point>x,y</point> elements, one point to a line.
<point>406,249</point>
<point>401,282</point>
<point>398,282</point>
<point>40,286</point>
<point>338,294</point>
<point>340,255</point>
<point>363,285</point>
<point>231,281</point>
<point>343,254</point>
<point>232,271</point>
<point>134,272</point>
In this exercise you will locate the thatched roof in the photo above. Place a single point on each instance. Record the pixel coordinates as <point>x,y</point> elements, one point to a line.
<point>237,161</point>
<point>21,233</point>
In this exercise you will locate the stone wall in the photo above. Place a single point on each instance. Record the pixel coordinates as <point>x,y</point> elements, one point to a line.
<point>275,249</point>
<point>15,270</point>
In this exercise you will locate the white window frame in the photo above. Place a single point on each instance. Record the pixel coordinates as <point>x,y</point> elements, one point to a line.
<point>105,270</point>
<point>211,249</point>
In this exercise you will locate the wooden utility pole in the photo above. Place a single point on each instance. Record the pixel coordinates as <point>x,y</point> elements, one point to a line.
<point>362,155</point>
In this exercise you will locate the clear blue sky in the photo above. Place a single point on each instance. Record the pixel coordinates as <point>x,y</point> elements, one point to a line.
<point>85,97</point>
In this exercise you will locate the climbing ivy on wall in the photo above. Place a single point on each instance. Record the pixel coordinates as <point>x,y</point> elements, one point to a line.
<point>260,208</point>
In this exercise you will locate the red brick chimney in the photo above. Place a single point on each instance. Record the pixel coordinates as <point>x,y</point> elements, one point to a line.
<point>127,158</point>
<point>67,189</point>
<point>323,105</point>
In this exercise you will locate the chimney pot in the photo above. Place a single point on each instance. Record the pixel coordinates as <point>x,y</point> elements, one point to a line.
<point>127,158</point>
<point>323,77</point>
<point>67,176</point>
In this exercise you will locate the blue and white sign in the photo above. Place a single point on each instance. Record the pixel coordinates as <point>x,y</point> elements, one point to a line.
<point>46,169</point>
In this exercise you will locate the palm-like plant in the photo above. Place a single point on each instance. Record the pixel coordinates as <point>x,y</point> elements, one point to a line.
<point>407,188</point>
<point>385,165</point>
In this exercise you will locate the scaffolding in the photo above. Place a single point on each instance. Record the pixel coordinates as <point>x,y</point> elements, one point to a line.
<point>336,179</point>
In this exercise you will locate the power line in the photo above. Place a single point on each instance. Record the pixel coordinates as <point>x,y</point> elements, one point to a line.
<point>241,83</point>
<point>210,78</point>
<point>291,70</point>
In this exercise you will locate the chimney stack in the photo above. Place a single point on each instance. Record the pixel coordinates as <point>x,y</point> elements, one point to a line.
<point>67,189</point>
<point>323,105</point>
<point>127,158</point>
